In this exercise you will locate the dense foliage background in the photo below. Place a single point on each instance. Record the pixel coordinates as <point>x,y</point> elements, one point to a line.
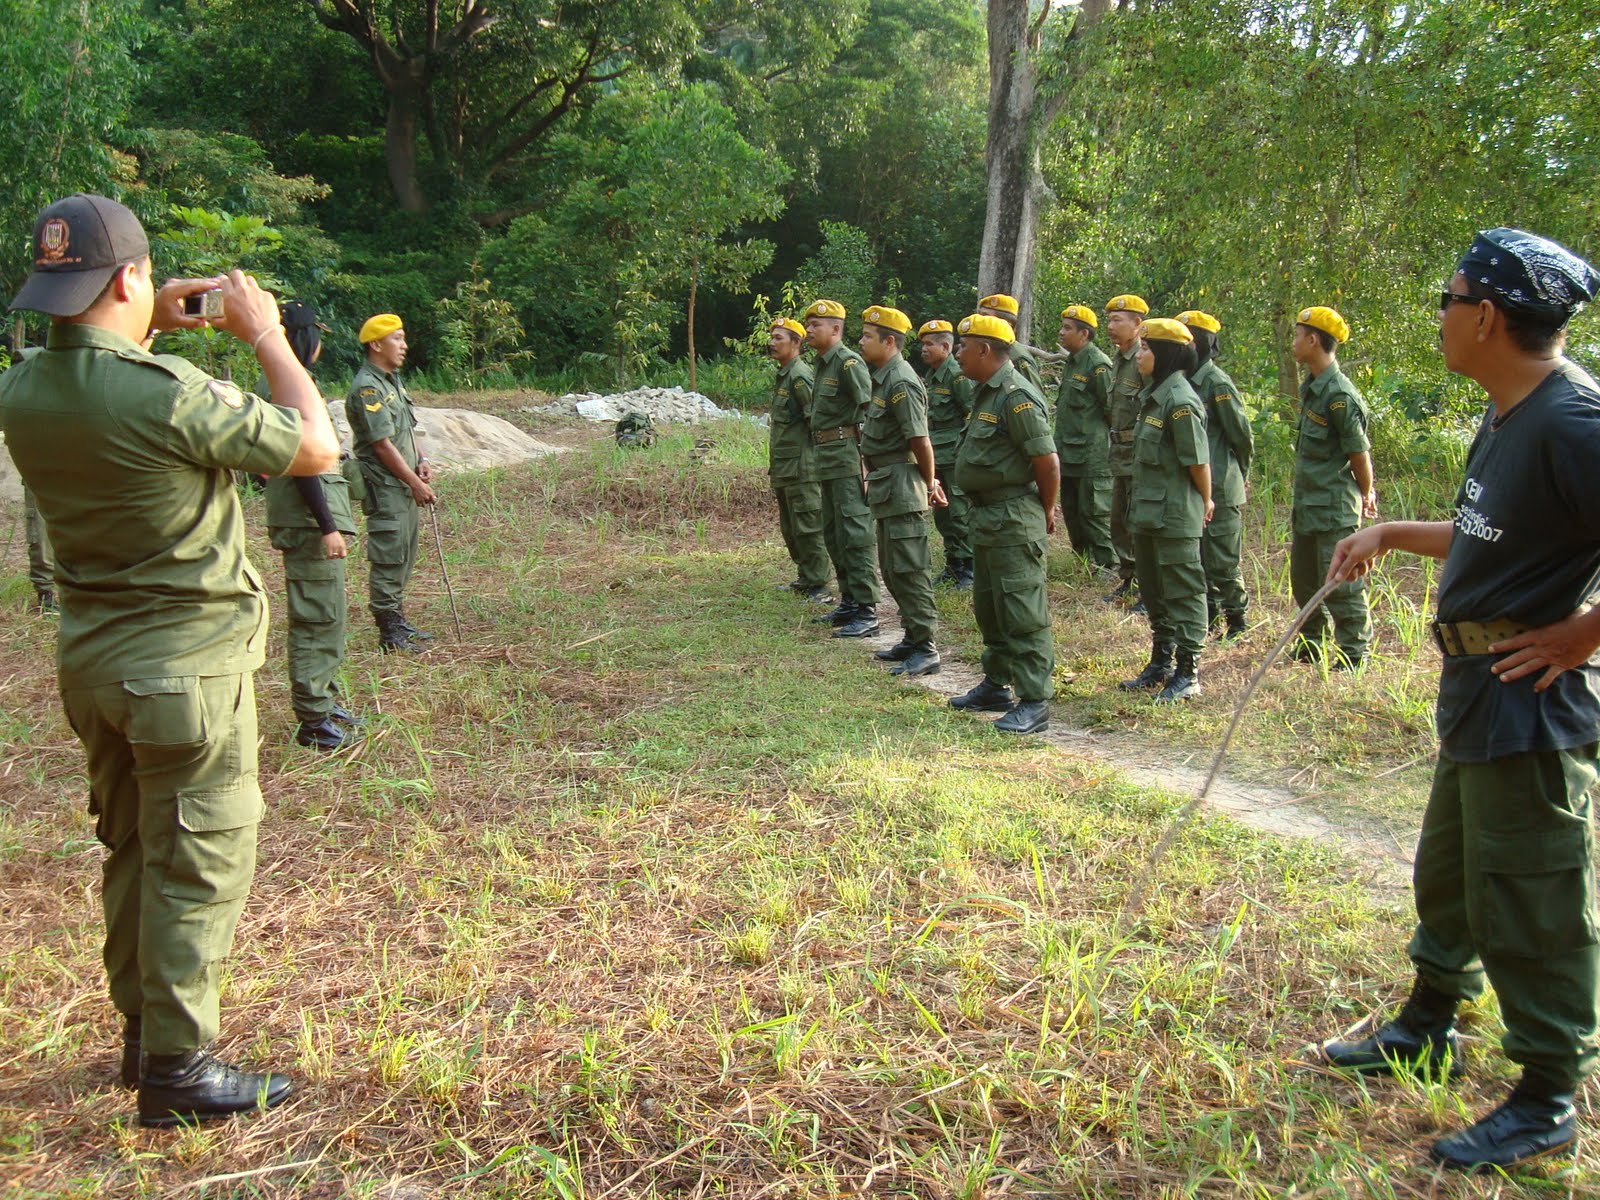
<point>540,189</point>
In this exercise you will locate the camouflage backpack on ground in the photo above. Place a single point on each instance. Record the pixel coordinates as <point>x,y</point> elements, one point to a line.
<point>636,429</point>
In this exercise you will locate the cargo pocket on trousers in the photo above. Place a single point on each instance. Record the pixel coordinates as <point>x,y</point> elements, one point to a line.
<point>214,845</point>
<point>1181,571</point>
<point>385,543</point>
<point>165,711</point>
<point>1022,604</point>
<point>908,544</point>
<point>1538,894</point>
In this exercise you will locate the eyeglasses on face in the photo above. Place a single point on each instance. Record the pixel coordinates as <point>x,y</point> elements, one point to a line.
<point>1447,298</point>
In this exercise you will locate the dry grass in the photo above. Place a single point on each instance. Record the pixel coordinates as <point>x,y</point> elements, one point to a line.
<point>649,889</point>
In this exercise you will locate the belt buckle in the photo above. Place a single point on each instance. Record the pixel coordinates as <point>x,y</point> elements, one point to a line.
<point>1446,638</point>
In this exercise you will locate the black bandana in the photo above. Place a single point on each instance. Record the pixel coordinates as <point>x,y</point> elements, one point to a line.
<point>1529,273</point>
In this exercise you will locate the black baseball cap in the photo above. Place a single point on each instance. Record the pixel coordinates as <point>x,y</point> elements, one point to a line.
<point>78,244</point>
<point>298,314</point>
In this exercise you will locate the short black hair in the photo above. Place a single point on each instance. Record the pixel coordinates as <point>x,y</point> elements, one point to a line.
<point>1537,335</point>
<point>1083,327</point>
<point>1324,339</point>
<point>887,334</point>
<point>1000,348</point>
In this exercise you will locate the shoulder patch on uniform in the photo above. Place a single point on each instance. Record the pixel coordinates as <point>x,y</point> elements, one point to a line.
<point>1337,405</point>
<point>366,392</point>
<point>897,395</point>
<point>1023,407</point>
<point>228,393</point>
<point>1181,412</point>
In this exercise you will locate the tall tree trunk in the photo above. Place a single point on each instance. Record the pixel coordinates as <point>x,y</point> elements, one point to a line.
<point>694,286</point>
<point>1288,368</point>
<point>1005,261</point>
<point>400,145</point>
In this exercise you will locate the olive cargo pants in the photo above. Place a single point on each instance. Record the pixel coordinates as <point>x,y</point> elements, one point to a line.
<point>1505,888</point>
<point>1009,601</point>
<point>1121,535</point>
<point>800,520</point>
<point>1221,548</point>
<point>1309,556</point>
<point>954,520</point>
<point>1172,584</point>
<point>1086,512</point>
<point>392,528</point>
<point>907,573</point>
<point>173,788</point>
<point>318,611</point>
<point>847,532</point>
<point>41,566</point>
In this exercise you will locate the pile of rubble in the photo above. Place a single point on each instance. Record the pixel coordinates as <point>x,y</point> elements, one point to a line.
<point>671,406</point>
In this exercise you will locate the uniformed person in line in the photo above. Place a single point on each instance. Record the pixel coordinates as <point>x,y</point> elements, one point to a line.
<point>309,519</point>
<point>1232,443</point>
<point>1333,489</point>
<point>790,465</point>
<point>842,390</point>
<point>1505,867</point>
<point>398,479</point>
<point>949,406</point>
<point>1022,357</point>
<point>1124,314</point>
<point>901,483</point>
<point>41,567</point>
<point>1083,442</point>
<point>163,621</point>
<point>1170,505</point>
<point>1008,468</point>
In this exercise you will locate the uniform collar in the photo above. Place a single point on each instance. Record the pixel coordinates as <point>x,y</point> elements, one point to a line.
<point>883,372</point>
<point>70,336</point>
<point>832,352</point>
<point>1131,353</point>
<point>1321,385</point>
<point>1003,376</point>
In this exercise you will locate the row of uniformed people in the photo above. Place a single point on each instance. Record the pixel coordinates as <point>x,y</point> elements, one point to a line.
<point>1152,451</point>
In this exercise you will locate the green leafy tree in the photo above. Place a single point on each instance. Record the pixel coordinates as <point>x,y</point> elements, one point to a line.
<point>200,242</point>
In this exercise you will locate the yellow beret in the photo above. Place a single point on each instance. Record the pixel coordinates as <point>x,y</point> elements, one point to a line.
<point>1164,329</point>
<point>1196,319</point>
<point>983,325</point>
<point>380,326</point>
<point>889,318</point>
<point>1081,312</point>
<point>791,325</point>
<point>1327,320</point>
<point>1127,303</point>
<point>935,327</point>
<point>826,308</point>
<point>1001,301</point>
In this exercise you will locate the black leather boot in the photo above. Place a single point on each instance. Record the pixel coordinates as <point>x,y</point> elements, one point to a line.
<point>417,635</point>
<point>392,634</point>
<point>326,735</point>
<point>1029,716</point>
<point>817,594</point>
<point>1421,1038</point>
<point>45,600</point>
<point>1156,672</point>
<point>948,576</point>
<point>1120,593</point>
<point>1185,681</point>
<point>923,660</point>
<point>1538,1119</point>
<point>132,1033</point>
<point>185,1088</point>
<point>344,716</point>
<point>1236,627</point>
<point>965,577</point>
<point>862,623</point>
<point>985,697</point>
<point>898,652</point>
<point>841,612</point>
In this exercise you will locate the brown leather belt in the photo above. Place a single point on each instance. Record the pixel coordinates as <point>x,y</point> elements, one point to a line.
<point>1459,639</point>
<point>874,461</point>
<point>1122,437</point>
<point>838,434</point>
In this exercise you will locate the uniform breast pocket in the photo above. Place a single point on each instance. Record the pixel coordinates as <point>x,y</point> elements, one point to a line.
<point>1147,450</point>
<point>1316,441</point>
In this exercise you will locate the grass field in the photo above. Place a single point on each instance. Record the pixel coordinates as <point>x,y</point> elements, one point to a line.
<point>647,888</point>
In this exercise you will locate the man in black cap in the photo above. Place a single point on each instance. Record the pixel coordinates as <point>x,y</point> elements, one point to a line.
<point>1504,876</point>
<point>163,621</point>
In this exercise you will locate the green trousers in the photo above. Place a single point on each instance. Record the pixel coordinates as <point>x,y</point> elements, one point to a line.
<point>954,521</point>
<point>1505,889</point>
<point>800,520</point>
<point>1086,512</point>
<point>1221,548</point>
<point>1309,556</point>
<point>847,533</point>
<point>1121,535</point>
<point>317,608</point>
<point>41,565</point>
<point>1172,584</point>
<point>173,788</point>
<point>392,533</point>
<point>1008,600</point>
<point>904,559</point>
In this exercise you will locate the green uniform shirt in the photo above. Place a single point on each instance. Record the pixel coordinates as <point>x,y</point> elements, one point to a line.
<point>789,453</point>
<point>949,406</point>
<point>286,508</point>
<point>378,407</point>
<point>1333,426</point>
<point>1169,438</point>
<point>1027,366</point>
<point>1008,431</point>
<point>843,389</point>
<point>1228,427</point>
<point>1126,384</point>
<point>897,412</point>
<point>1083,408</point>
<point>129,456</point>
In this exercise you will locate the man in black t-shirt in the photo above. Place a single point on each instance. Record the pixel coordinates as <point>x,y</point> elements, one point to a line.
<point>1504,876</point>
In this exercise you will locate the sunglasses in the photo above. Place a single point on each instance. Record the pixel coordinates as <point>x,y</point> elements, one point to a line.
<point>1447,298</point>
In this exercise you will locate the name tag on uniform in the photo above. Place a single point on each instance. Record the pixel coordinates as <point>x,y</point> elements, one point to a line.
<point>990,417</point>
<point>1316,420</point>
<point>1155,422</point>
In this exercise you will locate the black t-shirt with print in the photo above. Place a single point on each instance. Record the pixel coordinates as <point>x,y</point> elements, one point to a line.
<point>1526,547</point>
